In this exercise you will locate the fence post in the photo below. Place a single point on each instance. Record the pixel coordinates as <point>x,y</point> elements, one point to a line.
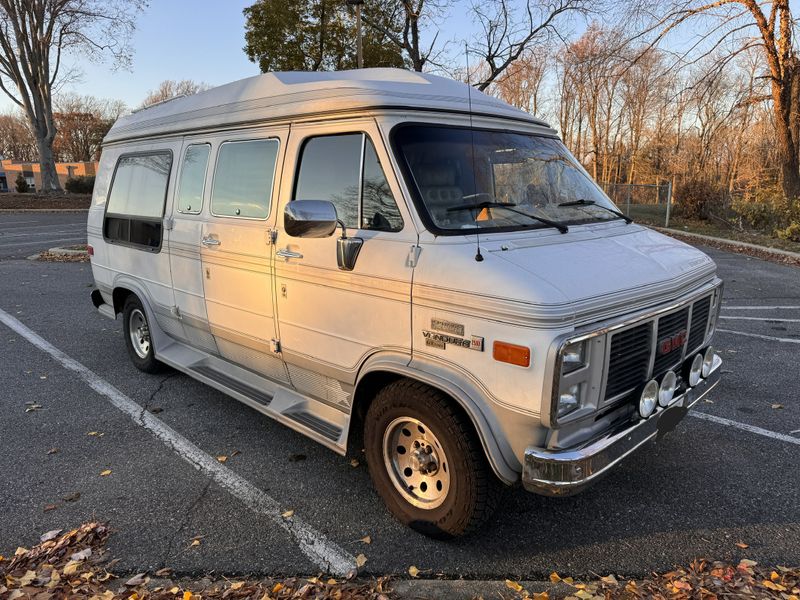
<point>669,201</point>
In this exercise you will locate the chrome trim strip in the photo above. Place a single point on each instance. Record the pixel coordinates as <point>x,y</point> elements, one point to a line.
<point>567,472</point>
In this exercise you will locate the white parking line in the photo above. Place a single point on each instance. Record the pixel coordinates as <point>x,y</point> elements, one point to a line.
<point>325,554</point>
<point>725,307</point>
<point>770,319</point>
<point>745,427</point>
<point>761,337</point>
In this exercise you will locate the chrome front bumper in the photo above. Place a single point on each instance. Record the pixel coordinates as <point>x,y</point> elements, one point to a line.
<point>567,472</point>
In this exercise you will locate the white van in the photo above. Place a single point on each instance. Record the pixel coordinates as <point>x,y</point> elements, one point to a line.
<point>388,260</point>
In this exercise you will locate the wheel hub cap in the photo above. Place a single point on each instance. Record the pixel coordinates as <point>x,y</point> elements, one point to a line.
<point>139,333</point>
<point>416,462</point>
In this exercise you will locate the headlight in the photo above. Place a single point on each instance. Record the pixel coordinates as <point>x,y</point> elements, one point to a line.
<point>569,401</point>
<point>648,399</point>
<point>573,357</point>
<point>708,361</point>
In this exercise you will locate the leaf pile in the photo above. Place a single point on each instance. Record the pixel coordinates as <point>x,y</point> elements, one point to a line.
<point>48,256</point>
<point>75,565</point>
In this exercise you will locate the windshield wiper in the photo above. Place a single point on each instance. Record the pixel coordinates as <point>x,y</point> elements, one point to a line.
<point>583,202</point>
<point>508,206</point>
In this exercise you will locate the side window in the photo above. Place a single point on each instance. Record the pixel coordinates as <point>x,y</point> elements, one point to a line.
<point>344,169</point>
<point>243,179</point>
<point>136,200</point>
<point>193,179</point>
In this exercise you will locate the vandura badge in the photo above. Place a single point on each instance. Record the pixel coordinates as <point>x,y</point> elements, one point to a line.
<point>453,334</point>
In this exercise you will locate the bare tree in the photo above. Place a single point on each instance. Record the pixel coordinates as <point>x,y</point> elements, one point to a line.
<point>35,35</point>
<point>172,89</point>
<point>82,123</point>
<point>522,82</point>
<point>16,141</point>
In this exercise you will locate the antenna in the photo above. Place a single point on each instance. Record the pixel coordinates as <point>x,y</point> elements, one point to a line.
<point>478,255</point>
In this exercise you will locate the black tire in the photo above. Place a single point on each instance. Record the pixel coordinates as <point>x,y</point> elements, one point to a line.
<point>147,362</point>
<point>472,492</point>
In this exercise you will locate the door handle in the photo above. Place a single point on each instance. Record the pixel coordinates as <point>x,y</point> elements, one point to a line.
<point>286,253</point>
<point>209,241</point>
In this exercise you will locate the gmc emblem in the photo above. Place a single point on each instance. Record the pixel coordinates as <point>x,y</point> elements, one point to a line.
<point>668,344</point>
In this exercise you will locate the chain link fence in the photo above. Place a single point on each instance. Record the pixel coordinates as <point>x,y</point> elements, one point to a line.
<point>649,204</point>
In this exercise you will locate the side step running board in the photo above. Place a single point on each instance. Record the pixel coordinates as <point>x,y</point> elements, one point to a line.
<point>234,384</point>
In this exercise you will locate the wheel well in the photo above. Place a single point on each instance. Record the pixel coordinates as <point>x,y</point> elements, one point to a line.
<point>365,393</point>
<point>119,295</point>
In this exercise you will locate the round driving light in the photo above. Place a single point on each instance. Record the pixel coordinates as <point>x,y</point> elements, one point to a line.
<point>648,399</point>
<point>667,389</point>
<point>708,361</point>
<point>696,370</point>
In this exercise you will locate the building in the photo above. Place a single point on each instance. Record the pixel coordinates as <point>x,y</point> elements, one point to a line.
<point>10,169</point>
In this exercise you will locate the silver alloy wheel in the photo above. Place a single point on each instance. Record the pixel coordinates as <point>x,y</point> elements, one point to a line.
<point>139,333</point>
<point>416,462</point>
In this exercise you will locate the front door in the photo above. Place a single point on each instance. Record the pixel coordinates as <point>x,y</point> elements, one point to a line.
<point>331,320</point>
<point>236,249</point>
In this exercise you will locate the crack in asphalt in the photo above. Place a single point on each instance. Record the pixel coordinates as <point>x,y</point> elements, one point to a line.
<point>185,522</point>
<point>157,391</point>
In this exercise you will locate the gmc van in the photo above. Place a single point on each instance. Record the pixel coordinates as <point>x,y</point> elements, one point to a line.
<point>394,262</point>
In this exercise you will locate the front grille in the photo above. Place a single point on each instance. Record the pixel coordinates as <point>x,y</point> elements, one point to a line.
<point>697,331</point>
<point>629,359</point>
<point>670,326</point>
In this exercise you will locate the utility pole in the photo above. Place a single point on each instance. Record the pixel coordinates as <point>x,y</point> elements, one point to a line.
<point>359,45</point>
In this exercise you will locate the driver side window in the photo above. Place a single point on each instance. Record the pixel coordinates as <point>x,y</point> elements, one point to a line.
<point>345,170</point>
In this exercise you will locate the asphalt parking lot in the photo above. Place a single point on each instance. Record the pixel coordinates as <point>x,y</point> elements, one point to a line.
<point>70,411</point>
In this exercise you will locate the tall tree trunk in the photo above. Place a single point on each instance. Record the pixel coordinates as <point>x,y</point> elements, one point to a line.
<point>47,164</point>
<point>785,100</point>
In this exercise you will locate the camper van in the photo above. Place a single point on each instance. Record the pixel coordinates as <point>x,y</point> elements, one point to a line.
<point>394,263</point>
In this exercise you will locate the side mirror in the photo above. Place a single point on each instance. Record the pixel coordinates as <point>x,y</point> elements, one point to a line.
<point>310,218</point>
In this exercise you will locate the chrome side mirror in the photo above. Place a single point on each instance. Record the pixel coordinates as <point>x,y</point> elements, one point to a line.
<point>310,218</point>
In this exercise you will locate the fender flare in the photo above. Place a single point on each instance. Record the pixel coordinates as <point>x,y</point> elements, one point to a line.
<point>157,335</point>
<point>465,393</point>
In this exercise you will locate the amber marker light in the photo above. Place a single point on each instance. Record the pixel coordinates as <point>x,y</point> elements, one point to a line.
<point>512,354</point>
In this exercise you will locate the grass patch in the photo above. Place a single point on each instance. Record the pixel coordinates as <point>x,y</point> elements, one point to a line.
<point>15,201</point>
<point>719,230</point>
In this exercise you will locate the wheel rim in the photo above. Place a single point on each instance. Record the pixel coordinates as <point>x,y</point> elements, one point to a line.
<point>416,462</point>
<point>139,333</point>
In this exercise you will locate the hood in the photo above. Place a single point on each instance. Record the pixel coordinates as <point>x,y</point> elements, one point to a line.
<point>582,276</point>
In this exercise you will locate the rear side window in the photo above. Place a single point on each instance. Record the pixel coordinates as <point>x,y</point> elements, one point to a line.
<point>344,169</point>
<point>243,179</point>
<point>193,178</point>
<point>136,201</point>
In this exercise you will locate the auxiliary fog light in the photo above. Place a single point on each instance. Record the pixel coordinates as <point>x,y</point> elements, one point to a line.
<point>696,370</point>
<point>667,389</point>
<point>708,361</point>
<point>648,399</point>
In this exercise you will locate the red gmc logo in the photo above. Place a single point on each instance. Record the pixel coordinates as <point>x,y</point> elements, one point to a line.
<point>668,344</point>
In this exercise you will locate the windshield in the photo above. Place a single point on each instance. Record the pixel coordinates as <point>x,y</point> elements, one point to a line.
<point>464,176</point>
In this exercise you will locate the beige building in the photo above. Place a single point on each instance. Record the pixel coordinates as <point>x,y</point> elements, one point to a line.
<point>10,169</point>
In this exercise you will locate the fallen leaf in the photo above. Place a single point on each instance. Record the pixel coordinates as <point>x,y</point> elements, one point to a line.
<point>27,578</point>
<point>609,579</point>
<point>174,590</point>
<point>583,595</point>
<point>742,545</point>
<point>354,463</point>
<point>540,596</point>
<point>413,571</point>
<point>20,551</point>
<point>73,497</point>
<point>746,563</point>
<point>554,578</point>
<point>165,572</point>
<point>71,567</point>
<point>137,579</point>
<point>235,453</point>
<point>195,542</point>
<point>287,514</point>
<point>187,595</point>
<point>222,458</point>
<point>33,407</point>
<point>331,581</point>
<point>96,434</point>
<point>49,507</point>
<point>82,555</point>
<point>777,406</point>
<point>277,587</point>
<point>361,560</point>
<point>50,535</point>
<point>513,585</point>
<point>105,473</point>
<point>366,539</point>
<point>237,585</point>
<point>52,451</point>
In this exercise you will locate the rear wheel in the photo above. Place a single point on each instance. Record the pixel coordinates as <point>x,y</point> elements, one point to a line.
<point>137,336</point>
<point>426,462</point>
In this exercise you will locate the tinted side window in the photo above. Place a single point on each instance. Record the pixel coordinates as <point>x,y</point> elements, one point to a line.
<point>329,170</point>
<point>344,169</point>
<point>379,210</point>
<point>136,200</point>
<point>193,179</point>
<point>243,179</point>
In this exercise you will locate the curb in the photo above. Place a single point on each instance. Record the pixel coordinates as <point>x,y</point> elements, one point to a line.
<point>733,243</point>
<point>468,589</point>
<point>67,252</point>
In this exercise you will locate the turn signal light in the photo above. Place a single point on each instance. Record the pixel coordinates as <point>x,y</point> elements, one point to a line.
<point>512,354</point>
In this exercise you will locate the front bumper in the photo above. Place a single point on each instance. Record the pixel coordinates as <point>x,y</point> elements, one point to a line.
<point>567,472</point>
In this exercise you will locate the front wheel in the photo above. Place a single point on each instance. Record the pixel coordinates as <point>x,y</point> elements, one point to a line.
<point>426,462</point>
<point>136,329</point>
